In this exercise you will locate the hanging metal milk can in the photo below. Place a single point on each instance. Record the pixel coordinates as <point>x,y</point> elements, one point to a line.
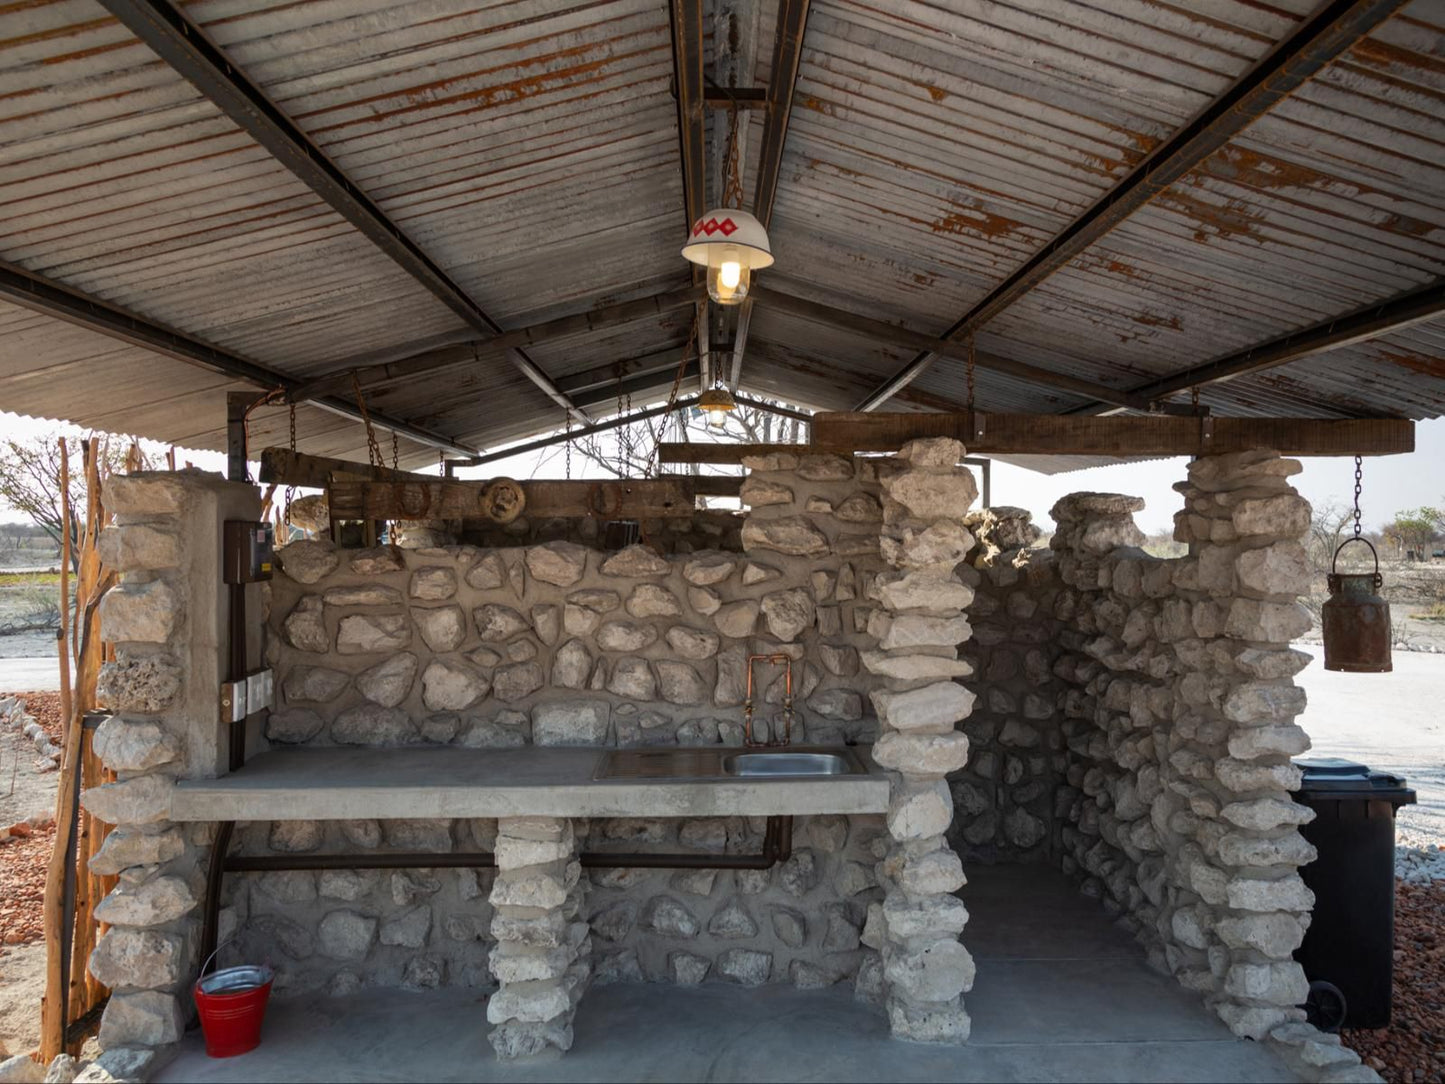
<point>1356,619</point>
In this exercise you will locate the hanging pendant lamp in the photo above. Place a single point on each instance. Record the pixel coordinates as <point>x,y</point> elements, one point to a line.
<point>731,244</point>
<point>716,402</point>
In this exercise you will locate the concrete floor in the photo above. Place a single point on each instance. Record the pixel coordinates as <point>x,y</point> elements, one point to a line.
<point>1061,995</point>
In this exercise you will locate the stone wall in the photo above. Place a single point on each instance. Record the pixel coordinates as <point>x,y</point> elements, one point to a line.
<point>165,619</point>
<point>561,644</point>
<point>1004,797</point>
<point>1180,709</point>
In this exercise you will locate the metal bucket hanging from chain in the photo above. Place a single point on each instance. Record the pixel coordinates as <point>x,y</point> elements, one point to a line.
<point>1356,619</point>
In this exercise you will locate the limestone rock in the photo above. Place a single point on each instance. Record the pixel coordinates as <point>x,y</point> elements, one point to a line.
<point>922,754</point>
<point>142,800</point>
<point>914,667</point>
<point>747,967</point>
<point>920,810</point>
<point>687,968</point>
<point>346,935</point>
<point>653,600</point>
<point>1276,739</point>
<point>408,928</point>
<point>127,847</point>
<point>708,567</point>
<point>790,926</point>
<point>517,681</point>
<point>572,664</point>
<point>731,687</point>
<point>127,745</point>
<point>577,722</point>
<point>450,686</point>
<point>755,572</point>
<point>842,704</point>
<point>314,684</point>
<point>308,560</point>
<point>860,508</point>
<point>496,623</point>
<point>372,724</point>
<point>787,613</point>
<point>145,958</point>
<point>20,1069</point>
<point>433,583</point>
<point>825,467</point>
<point>365,634</point>
<point>377,561</point>
<point>930,592</point>
<point>139,683</point>
<point>933,495</point>
<point>442,628</point>
<point>1264,814</point>
<point>151,903</point>
<point>305,627</point>
<point>293,726</point>
<point>373,594</point>
<point>936,548</point>
<point>933,707</point>
<point>736,619</point>
<point>679,683</point>
<point>732,921</point>
<point>635,562</point>
<point>140,612</point>
<point>773,461</point>
<point>758,493</point>
<point>838,660</point>
<point>704,600</point>
<point>1286,515</point>
<point>559,563</point>
<point>793,535</point>
<point>141,1018</point>
<point>666,916</point>
<point>1261,701</point>
<point>487,574</point>
<point>937,915</point>
<point>903,631</point>
<point>388,682</point>
<point>692,643</point>
<point>939,972</point>
<point>928,1022</point>
<point>625,636</point>
<point>632,677</point>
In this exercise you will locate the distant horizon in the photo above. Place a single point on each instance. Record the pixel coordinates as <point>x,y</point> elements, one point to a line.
<point>1390,484</point>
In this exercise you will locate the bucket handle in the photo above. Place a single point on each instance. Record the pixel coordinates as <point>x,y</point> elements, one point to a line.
<point>202,973</point>
<point>1336,560</point>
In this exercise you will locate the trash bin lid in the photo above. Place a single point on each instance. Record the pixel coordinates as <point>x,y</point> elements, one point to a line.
<point>1336,777</point>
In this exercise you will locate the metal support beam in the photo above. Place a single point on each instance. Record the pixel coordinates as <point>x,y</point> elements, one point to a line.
<point>782,80</point>
<point>444,357</point>
<point>39,294</point>
<point>917,340</point>
<point>1292,62</point>
<point>594,427</point>
<point>185,47</point>
<point>1370,322</point>
<point>687,76</point>
<point>636,385</point>
<point>729,97</point>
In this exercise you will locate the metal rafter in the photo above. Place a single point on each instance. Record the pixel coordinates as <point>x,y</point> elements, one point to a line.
<point>1292,62</point>
<point>1370,322</point>
<point>182,45</point>
<point>687,77</point>
<point>39,294</point>
<point>782,80</point>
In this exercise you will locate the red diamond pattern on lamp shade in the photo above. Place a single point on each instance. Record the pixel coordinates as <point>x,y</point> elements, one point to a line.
<point>726,227</point>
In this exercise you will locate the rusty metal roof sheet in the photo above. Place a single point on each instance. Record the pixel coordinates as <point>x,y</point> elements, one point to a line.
<point>531,150</point>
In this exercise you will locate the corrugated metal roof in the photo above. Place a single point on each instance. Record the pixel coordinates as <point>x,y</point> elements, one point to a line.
<point>531,150</point>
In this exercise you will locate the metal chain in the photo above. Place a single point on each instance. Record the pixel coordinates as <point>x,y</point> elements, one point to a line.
<point>732,184</point>
<point>395,451</point>
<point>373,450</point>
<point>567,447</point>
<point>286,503</point>
<point>1358,475</point>
<point>969,370</point>
<point>441,463</point>
<point>1194,398</point>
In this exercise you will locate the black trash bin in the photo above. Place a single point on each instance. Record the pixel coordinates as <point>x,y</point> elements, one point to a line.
<point>1350,944</point>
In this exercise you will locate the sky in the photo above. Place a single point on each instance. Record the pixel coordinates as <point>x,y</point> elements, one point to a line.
<point>1390,483</point>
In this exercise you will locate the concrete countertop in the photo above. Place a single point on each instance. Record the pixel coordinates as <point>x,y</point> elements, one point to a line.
<point>386,783</point>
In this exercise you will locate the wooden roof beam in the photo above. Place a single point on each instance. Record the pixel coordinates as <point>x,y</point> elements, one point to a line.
<point>1292,62</point>
<point>185,47</point>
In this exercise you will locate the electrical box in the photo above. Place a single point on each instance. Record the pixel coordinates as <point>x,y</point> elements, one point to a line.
<point>246,552</point>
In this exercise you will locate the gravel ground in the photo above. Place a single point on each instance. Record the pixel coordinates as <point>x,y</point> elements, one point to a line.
<point>1412,1049</point>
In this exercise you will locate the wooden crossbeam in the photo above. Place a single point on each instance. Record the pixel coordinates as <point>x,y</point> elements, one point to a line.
<point>432,498</point>
<point>1155,435</point>
<point>281,466</point>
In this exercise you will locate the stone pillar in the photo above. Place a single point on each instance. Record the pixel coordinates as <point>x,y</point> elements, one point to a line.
<point>165,620</point>
<point>1243,522</point>
<point>542,959</point>
<point>918,627</point>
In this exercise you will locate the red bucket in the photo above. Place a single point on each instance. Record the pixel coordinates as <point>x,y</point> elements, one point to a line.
<point>232,1004</point>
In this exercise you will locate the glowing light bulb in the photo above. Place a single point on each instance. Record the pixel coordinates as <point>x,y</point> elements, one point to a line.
<point>730,274</point>
<point>717,419</point>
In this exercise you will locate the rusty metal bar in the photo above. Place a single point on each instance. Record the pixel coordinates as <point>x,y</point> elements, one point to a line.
<point>39,294</point>
<point>1370,322</point>
<point>595,427</point>
<point>185,47</point>
<point>1292,62</point>
<point>782,79</point>
<point>687,82</point>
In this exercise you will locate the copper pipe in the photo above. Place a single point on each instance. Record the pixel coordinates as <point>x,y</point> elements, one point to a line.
<point>787,663</point>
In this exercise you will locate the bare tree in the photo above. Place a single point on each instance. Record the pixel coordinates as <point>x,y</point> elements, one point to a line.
<point>30,483</point>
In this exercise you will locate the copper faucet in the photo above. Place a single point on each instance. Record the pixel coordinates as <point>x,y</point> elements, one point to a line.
<point>786,715</point>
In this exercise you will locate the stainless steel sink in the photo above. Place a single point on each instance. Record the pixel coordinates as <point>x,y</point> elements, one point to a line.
<point>716,762</point>
<point>785,763</point>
